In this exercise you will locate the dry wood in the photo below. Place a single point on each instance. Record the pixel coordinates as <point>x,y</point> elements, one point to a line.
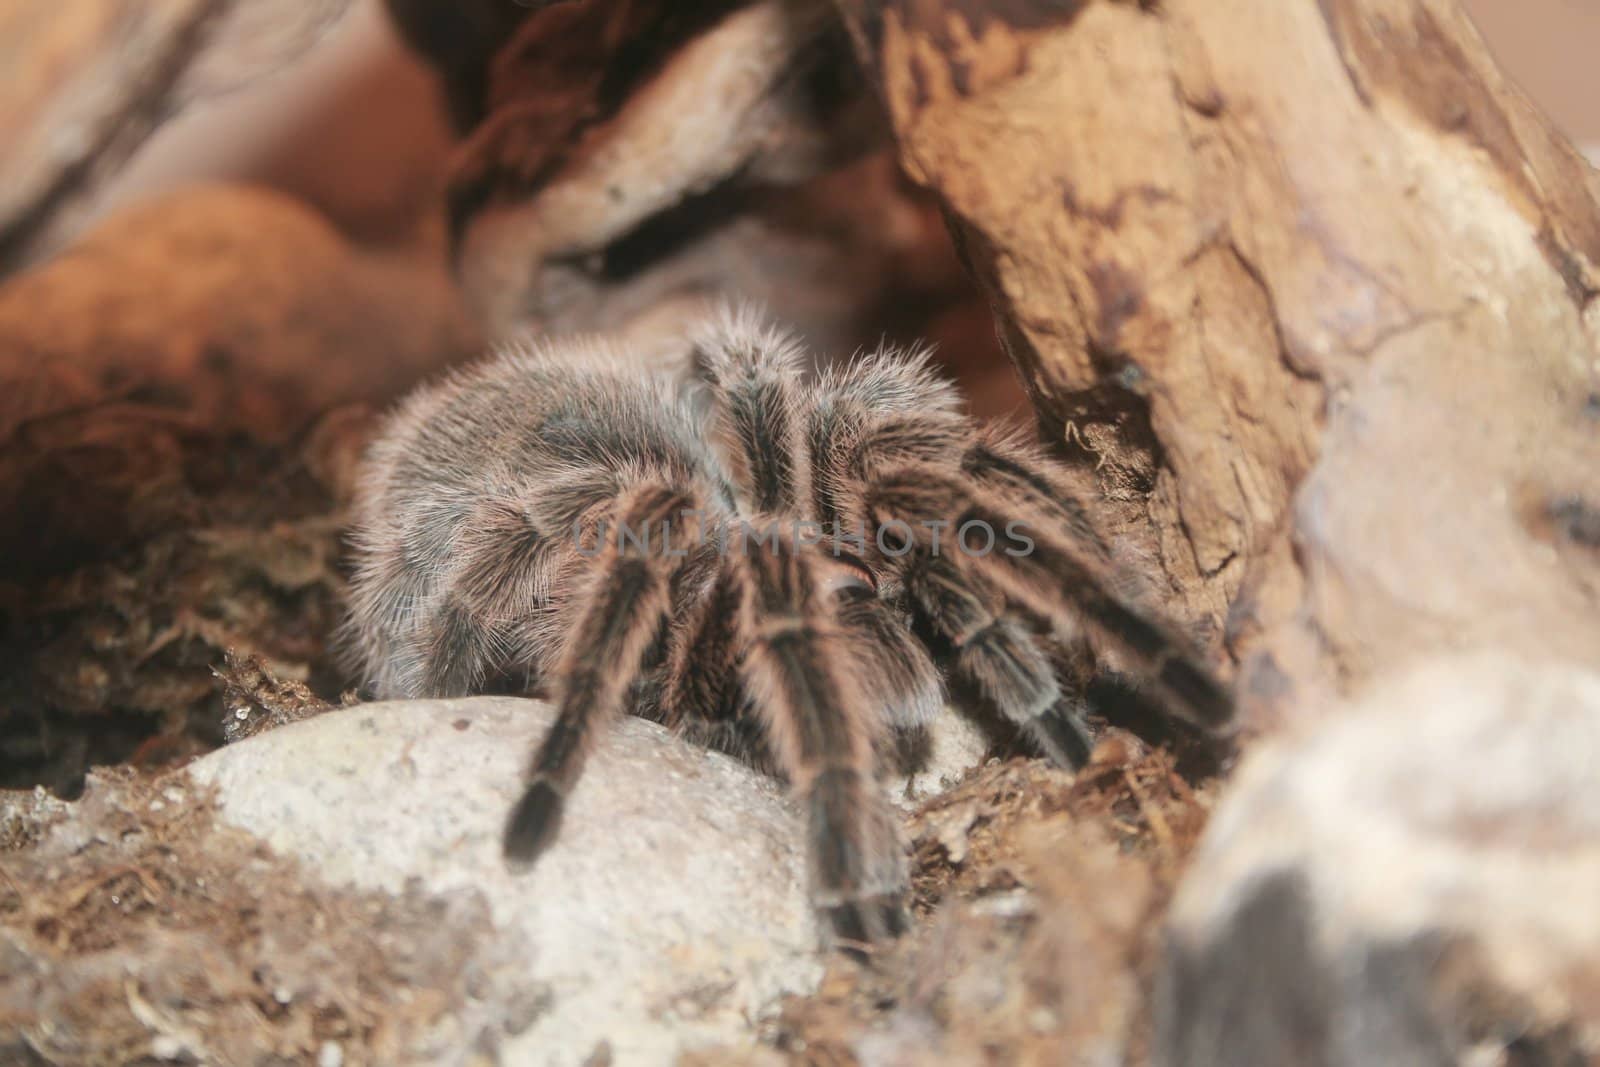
<point>629,152</point>
<point>88,82</point>
<point>625,160</point>
<point>1310,284</point>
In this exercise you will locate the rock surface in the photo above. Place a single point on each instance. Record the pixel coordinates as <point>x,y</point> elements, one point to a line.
<point>333,888</point>
<point>671,911</point>
<point>1411,881</point>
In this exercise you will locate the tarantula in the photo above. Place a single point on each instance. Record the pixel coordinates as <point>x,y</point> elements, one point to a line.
<point>780,567</point>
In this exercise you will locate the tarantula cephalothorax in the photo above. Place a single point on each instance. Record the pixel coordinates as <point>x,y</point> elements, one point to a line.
<point>780,568</point>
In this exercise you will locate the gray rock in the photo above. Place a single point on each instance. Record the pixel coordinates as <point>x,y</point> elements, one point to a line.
<point>1413,879</point>
<point>670,913</point>
<point>954,744</point>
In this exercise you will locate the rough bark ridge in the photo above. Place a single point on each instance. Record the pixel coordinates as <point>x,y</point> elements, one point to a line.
<point>1313,287</point>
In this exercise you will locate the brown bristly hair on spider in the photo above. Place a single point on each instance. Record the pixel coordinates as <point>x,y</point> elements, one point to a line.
<point>492,540</point>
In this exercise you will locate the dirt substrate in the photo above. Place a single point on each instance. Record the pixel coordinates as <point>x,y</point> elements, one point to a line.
<point>1039,897</point>
<point>147,934</point>
<point>127,595</point>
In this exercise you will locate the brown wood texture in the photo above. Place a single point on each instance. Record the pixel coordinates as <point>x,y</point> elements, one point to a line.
<point>87,82</point>
<point>1312,287</point>
<point>624,144</point>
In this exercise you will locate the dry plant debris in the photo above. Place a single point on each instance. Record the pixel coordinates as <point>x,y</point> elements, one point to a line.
<point>255,700</point>
<point>1039,896</point>
<point>175,547</point>
<point>140,932</point>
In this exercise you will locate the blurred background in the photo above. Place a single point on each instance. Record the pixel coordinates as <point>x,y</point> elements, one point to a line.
<point>355,128</point>
<point>1548,46</point>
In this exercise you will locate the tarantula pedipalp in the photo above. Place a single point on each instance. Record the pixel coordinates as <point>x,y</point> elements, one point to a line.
<point>779,567</point>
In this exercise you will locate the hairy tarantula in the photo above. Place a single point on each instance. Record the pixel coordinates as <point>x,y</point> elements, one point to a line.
<point>780,567</point>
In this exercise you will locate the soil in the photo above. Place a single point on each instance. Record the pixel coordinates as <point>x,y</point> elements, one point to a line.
<point>180,560</point>
<point>145,933</point>
<point>1039,896</point>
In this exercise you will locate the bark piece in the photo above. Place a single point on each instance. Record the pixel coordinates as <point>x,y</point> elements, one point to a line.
<point>234,306</point>
<point>589,197</point>
<point>1310,285</point>
<point>89,82</point>
<point>626,160</point>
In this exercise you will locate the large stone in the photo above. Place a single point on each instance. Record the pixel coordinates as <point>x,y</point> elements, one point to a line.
<point>671,911</point>
<point>332,890</point>
<point>1415,880</point>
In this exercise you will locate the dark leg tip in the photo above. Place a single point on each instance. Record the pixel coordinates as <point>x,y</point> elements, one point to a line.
<point>1061,736</point>
<point>1206,701</point>
<point>849,928</point>
<point>533,824</point>
<point>896,919</point>
<point>859,927</point>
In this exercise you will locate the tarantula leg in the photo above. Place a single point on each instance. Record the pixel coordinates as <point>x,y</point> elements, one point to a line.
<point>752,368</point>
<point>1059,733</point>
<point>822,731</point>
<point>997,655</point>
<point>627,599</point>
<point>701,697</point>
<point>1054,578</point>
<point>700,677</point>
<point>457,654</point>
<point>1016,474</point>
<point>897,676</point>
<point>1196,693</point>
<point>859,878</point>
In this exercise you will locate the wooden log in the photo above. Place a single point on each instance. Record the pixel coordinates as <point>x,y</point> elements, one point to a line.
<point>89,82</point>
<point>1310,285</point>
<point>610,144</point>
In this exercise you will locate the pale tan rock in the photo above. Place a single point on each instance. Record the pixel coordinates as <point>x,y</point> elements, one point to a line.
<point>1411,880</point>
<point>671,911</point>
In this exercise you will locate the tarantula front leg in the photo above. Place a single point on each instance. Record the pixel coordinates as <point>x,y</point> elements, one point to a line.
<point>487,599</point>
<point>1051,573</point>
<point>753,369</point>
<point>822,731</point>
<point>701,697</point>
<point>997,654</point>
<point>437,604</point>
<point>622,609</point>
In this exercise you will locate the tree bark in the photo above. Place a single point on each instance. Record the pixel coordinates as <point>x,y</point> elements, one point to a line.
<point>90,83</point>
<point>1309,284</point>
